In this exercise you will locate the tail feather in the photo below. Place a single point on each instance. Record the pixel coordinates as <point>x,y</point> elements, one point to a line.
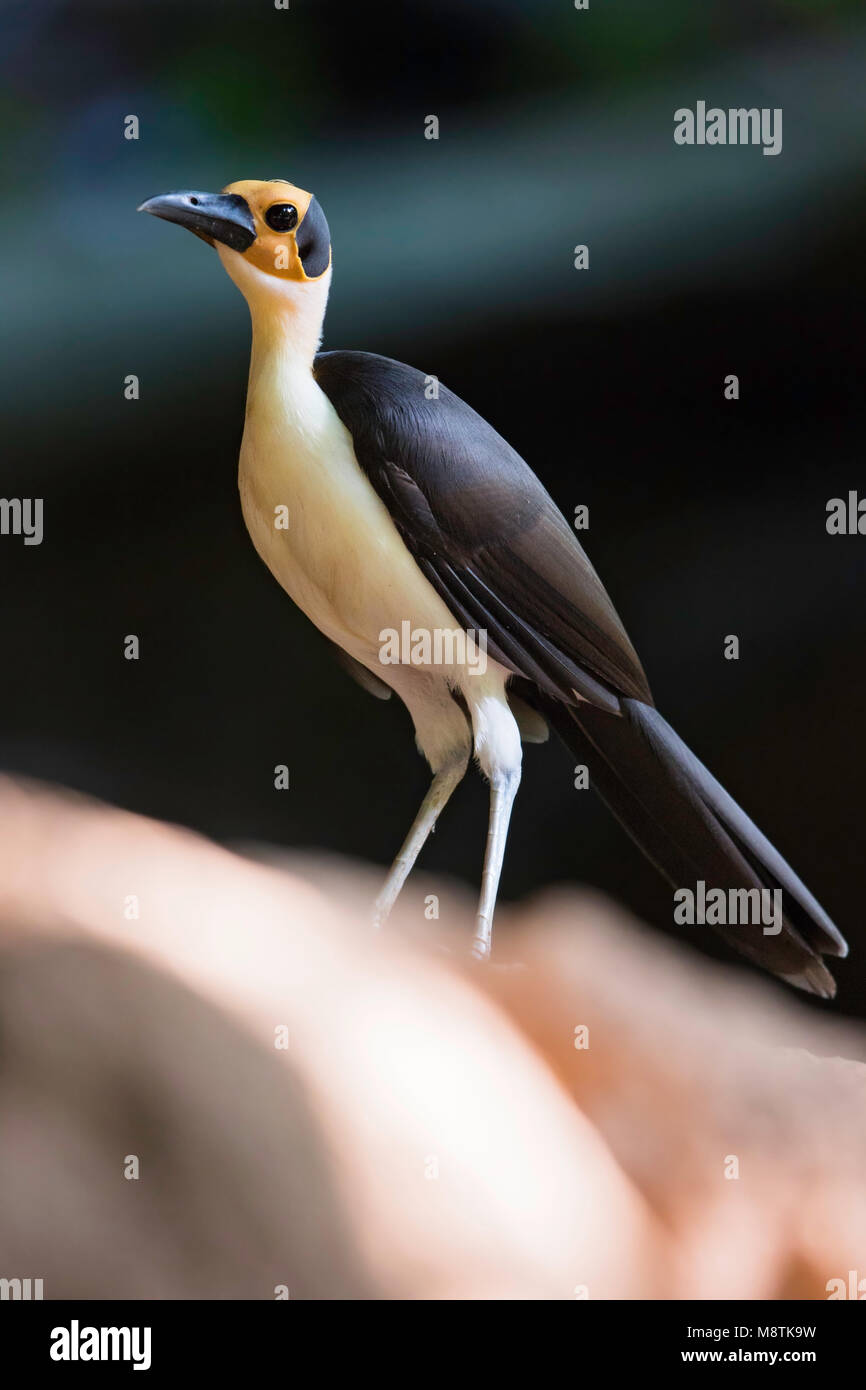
<point>691,829</point>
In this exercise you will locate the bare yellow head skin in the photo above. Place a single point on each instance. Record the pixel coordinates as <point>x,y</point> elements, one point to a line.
<point>273,241</point>
<point>286,244</point>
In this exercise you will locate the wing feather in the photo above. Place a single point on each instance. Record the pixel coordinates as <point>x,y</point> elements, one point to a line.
<point>484,531</point>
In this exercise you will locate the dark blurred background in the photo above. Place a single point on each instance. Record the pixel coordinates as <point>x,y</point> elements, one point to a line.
<point>707,517</point>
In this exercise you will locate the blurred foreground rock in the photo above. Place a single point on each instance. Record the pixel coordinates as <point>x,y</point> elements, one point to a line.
<point>318,1110</point>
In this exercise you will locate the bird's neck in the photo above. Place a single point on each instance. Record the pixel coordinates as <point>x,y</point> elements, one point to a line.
<point>284,342</point>
<point>287,330</point>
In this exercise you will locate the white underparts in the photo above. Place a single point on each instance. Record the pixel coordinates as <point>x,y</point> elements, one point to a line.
<point>496,736</point>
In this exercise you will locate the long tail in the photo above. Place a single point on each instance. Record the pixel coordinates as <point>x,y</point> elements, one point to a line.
<point>686,823</point>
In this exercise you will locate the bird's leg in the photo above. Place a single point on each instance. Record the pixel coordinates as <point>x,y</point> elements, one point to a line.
<point>443,784</point>
<point>503,789</point>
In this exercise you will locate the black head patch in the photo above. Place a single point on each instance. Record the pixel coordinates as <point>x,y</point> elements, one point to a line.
<point>314,241</point>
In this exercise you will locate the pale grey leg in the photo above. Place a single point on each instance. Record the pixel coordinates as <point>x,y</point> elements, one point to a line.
<point>441,787</point>
<point>503,789</point>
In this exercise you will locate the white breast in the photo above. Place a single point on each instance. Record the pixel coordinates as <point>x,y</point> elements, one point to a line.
<point>341,559</point>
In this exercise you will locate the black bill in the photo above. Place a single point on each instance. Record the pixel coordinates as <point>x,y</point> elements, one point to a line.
<point>223,217</point>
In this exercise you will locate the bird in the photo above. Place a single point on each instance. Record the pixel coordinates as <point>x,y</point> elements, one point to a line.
<point>384,504</point>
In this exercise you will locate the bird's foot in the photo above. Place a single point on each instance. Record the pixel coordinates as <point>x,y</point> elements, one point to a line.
<point>380,915</point>
<point>480,948</point>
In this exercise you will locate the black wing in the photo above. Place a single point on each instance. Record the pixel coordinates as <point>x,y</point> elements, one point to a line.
<point>484,531</point>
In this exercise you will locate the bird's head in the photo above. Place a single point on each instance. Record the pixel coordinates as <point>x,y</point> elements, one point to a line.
<point>271,236</point>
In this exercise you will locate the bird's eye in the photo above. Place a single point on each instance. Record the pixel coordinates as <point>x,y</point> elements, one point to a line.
<point>282,217</point>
